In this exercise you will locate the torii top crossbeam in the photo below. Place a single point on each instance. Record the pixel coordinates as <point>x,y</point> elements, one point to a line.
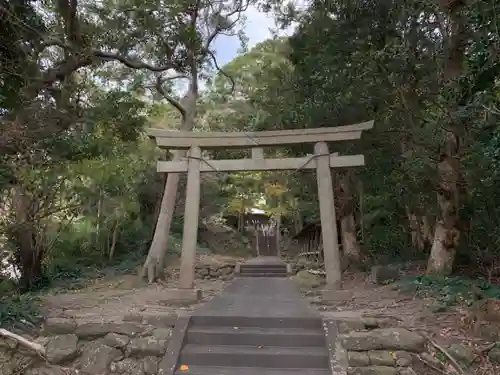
<point>185,140</point>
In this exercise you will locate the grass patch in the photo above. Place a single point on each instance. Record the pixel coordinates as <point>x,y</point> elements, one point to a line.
<point>449,291</point>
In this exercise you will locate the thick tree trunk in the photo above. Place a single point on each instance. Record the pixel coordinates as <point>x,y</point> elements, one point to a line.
<point>350,246</point>
<point>447,231</point>
<point>416,230</point>
<point>154,265</point>
<point>442,252</point>
<point>30,254</point>
<point>352,253</point>
<point>427,230</point>
<point>450,181</point>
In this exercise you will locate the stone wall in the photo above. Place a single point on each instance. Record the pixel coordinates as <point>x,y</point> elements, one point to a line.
<point>214,271</point>
<point>135,346</point>
<point>374,350</point>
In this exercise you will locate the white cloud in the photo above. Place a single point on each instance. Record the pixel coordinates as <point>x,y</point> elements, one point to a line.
<point>260,27</point>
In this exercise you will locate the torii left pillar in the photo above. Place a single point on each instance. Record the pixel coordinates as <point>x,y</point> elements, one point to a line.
<point>191,217</point>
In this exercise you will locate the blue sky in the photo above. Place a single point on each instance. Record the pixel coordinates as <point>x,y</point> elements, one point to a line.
<point>256,29</point>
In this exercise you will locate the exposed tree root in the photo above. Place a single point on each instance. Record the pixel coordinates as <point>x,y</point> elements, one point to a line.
<point>37,348</point>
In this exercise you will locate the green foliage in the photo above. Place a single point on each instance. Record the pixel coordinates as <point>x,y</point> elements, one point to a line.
<point>19,311</point>
<point>449,291</point>
<point>13,56</point>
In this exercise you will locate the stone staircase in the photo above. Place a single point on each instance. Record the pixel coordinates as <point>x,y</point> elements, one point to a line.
<point>263,270</point>
<point>221,345</point>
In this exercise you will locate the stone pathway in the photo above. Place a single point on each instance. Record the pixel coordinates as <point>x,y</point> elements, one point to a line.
<point>257,325</point>
<point>259,297</point>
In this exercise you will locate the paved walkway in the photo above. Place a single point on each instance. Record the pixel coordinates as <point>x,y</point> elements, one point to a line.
<point>259,297</point>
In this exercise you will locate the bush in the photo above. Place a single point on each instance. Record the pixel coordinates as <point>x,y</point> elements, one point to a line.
<point>449,291</point>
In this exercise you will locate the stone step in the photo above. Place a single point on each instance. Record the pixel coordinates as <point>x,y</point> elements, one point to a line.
<point>211,370</point>
<point>291,337</point>
<point>254,356</point>
<point>254,321</point>
<point>246,268</point>
<point>260,274</point>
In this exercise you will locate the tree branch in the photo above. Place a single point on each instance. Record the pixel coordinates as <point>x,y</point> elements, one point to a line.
<point>110,56</point>
<point>241,7</point>
<point>174,102</point>
<point>37,348</point>
<point>214,59</point>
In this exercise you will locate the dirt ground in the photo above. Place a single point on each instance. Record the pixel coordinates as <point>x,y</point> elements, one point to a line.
<point>110,298</point>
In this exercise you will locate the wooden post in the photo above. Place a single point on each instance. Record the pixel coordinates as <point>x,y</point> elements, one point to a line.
<point>257,153</point>
<point>191,217</point>
<point>278,236</point>
<point>257,244</point>
<point>328,217</point>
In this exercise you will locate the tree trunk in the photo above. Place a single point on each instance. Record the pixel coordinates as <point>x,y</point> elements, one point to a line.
<point>450,181</point>
<point>278,235</point>
<point>442,252</point>
<point>350,246</point>
<point>446,232</point>
<point>426,230</point>
<point>116,229</point>
<point>351,250</point>
<point>30,254</point>
<point>154,265</point>
<point>99,219</point>
<point>416,230</point>
<point>298,222</point>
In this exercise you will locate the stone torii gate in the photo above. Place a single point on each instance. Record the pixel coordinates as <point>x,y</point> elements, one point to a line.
<point>321,160</point>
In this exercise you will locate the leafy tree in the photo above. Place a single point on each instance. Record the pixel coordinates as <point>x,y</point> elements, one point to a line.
<point>202,23</point>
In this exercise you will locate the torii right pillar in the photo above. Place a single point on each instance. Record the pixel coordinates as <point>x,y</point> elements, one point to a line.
<point>331,252</point>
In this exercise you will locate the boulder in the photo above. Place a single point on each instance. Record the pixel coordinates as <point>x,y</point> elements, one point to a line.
<point>358,359</point>
<point>162,333</point>
<point>96,358</point>
<point>128,366</point>
<point>347,326</point>
<point>489,310</point>
<point>494,355</point>
<point>382,358</point>
<point>115,340</point>
<point>58,326</point>
<point>407,371</point>
<point>373,370</point>
<point>146,346</point>
<point>489,331</point>
<point>226,270</point>
<point>93,330</point>
<point>404,359</point>
<point>62,348</point>
<point>150,365</point>
<point>462,353</point>
<point>384,339</point>
<point>50,370</point>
